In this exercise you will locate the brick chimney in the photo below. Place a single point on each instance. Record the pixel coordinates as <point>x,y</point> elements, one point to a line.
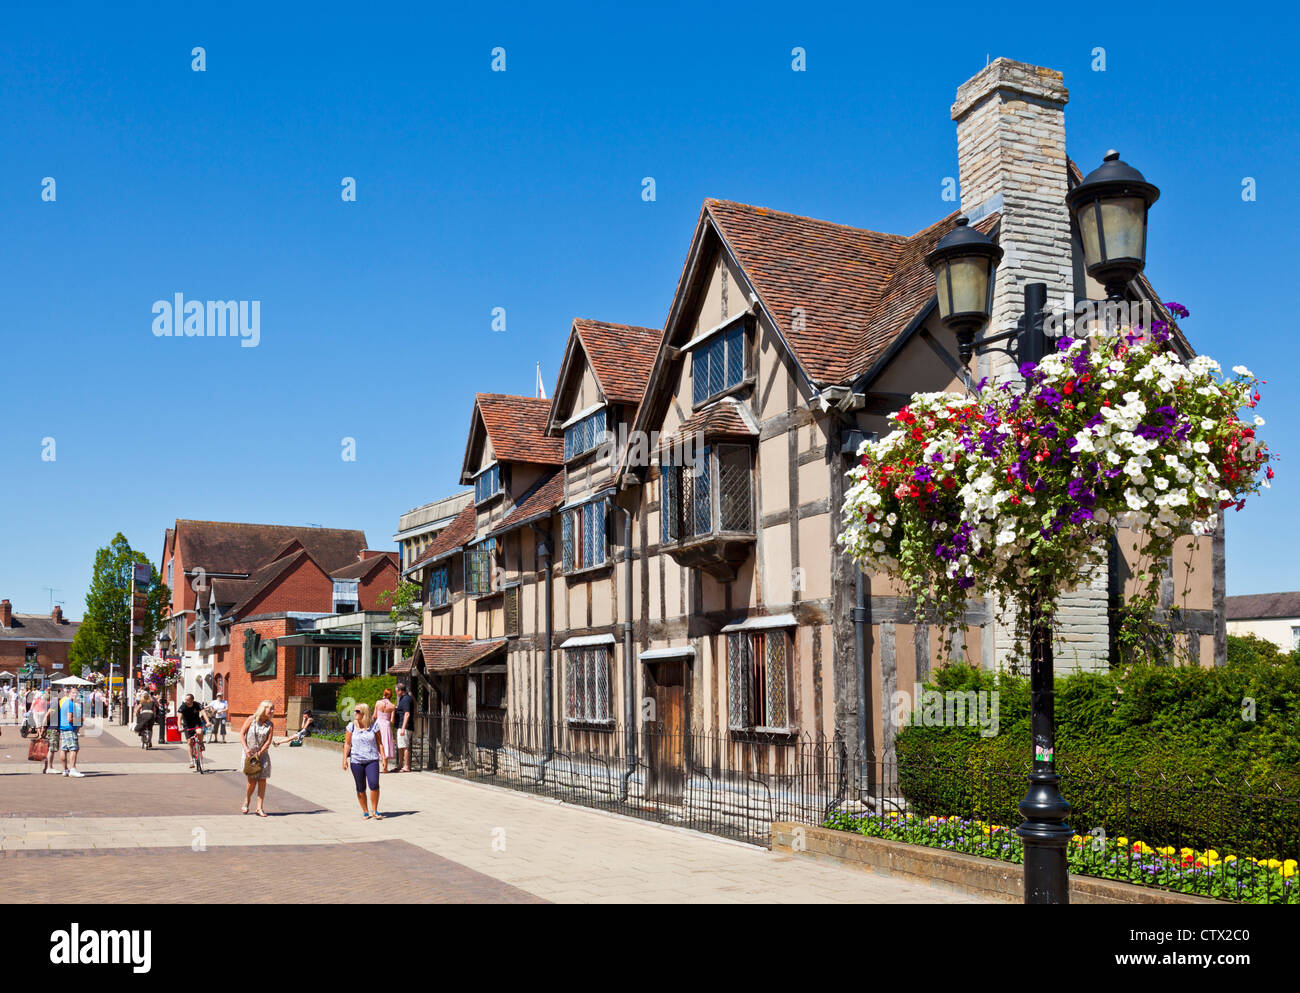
<point>1011,153</point>
<point>1011,156</point>
<point>6,614</point>
<point>56,615</point>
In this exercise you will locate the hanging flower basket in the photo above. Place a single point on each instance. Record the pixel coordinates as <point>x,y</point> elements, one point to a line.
<point>1015,493</point>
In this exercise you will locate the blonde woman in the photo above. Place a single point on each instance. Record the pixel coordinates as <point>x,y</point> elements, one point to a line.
<point>363,752</point>
<point>257,735</point>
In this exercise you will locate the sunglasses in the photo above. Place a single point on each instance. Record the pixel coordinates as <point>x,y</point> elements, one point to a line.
<point>357,711</point>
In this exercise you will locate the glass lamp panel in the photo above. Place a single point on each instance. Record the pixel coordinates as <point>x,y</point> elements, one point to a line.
<point>1087,218</point>
<point>941,275</point>
<point>1124,223</point>
<point>970,284</point>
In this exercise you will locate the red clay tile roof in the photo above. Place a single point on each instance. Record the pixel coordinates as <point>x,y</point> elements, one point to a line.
<point>263,578</point>
<point>452,537</point>
<point>1261,605</point>
<point>542,498</point>
<point>452,654</point>
<point>220,546</point>
<point>857,289</point>
<point>364,568</point>
<point>620,355</point>
<point>726,418</point>
<point>516,427</point>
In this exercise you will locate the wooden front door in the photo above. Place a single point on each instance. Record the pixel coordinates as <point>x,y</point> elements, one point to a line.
<point>665,730</point>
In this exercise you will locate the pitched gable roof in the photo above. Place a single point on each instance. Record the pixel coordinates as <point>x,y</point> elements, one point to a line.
<point>620,356</point>
<point>832,273</point>
<point>516,427</point>
<point>227,547</point>
<point>449,541</point>
<point>267,576</point>
<point>365,568</point>
<point>541,499</point>
<point>448,653</point>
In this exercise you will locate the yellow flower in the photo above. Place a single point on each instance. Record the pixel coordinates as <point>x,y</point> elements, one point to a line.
<point>1186,852</point>
<point>1167,850</point>
<point>1142,848</point>
<point>1212,855</point>
<point>1273,864</point>
<point>1230,858</point>
<point>1288,868</point>
<point>1121,842</point>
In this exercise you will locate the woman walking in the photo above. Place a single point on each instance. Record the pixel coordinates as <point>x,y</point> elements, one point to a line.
<point>257,735</point>
<point>363,751</point>
<point>46,728</point>
<point>384,721</point>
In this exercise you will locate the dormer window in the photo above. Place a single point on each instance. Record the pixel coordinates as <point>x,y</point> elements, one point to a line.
<point>718,364</point>
<point>584,434</point>
<point>487,483</point>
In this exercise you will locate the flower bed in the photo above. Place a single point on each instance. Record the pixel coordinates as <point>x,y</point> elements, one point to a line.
<point>1206,873</point>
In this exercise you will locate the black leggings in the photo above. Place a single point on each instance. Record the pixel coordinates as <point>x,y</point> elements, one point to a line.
<point>366,773</point>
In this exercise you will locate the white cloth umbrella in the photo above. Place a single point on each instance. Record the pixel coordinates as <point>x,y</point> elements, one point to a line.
<point>71,681</point>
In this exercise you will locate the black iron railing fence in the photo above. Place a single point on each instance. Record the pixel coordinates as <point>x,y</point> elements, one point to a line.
<point>736,784</point>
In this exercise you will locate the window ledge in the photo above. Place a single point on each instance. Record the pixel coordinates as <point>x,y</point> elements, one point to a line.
<point>588,724</point>
<point>740,387</point>
<point>590,571</point>
<point>763,733</point>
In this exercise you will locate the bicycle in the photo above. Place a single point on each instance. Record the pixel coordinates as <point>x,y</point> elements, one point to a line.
<point>194,738</point>
<point>145,729</point>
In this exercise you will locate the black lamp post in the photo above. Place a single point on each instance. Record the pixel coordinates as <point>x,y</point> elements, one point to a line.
<point>1110,209</point>
<point>164,642</point>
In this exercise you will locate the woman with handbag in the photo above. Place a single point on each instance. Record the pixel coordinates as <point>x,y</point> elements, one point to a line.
<point>257,735</point>
<point>45,734</point>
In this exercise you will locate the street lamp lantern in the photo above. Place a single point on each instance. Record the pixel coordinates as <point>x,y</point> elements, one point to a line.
<point>1110,210</point>
<point>963,264</point>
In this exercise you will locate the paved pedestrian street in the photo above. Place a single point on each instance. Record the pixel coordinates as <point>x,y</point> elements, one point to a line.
<point>138,817</point>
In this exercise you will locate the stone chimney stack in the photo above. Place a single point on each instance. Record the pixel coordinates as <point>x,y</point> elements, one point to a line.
<point>6,614</point>
<point>1011,152</point>
<point>1011,155</point>
<point>56,615</point>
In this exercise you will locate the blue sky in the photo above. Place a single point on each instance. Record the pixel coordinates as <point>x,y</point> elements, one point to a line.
<point>520,190</point>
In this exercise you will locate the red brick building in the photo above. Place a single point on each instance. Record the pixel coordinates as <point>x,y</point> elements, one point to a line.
<point>239,589</point>
<point>36,638</point>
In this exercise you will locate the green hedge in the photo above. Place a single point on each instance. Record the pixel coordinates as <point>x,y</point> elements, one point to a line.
<point>367,691</point>
<point>1202,757</point>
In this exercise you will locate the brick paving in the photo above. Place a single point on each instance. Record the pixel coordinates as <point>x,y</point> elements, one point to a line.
<point>256,874</point>
<point>470,836</point>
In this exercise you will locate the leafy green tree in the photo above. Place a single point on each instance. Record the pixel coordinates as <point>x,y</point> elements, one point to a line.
<point>404,608</point>
<point>106,626</point>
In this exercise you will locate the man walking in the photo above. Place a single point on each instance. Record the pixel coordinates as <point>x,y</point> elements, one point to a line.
<point>70,721</point>
<point>402,717</point>
<point>219,712</point>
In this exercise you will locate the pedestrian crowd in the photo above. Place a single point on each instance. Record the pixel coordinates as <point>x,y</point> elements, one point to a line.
<point>371,739</point>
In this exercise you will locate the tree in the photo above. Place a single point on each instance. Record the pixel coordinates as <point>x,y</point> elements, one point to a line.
<point>405,607</point>
<point>105,630</point>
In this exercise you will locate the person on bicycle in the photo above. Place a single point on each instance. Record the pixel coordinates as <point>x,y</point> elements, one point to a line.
<point>193,722</point>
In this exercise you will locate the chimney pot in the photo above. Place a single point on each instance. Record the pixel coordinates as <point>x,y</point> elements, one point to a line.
<point>56,615</point>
